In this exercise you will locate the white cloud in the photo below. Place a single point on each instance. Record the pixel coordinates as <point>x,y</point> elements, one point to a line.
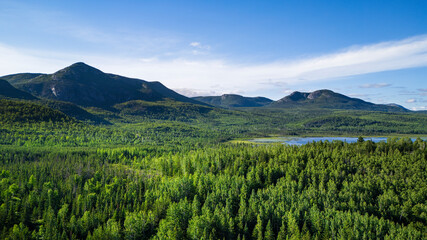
<point>200,46</point>
<point>195,44</point>
<point>420,108</point>
<point>199,49</point>
<point>375,85</point>
<point>423,91</point>
<point>18,60</point>
<point>189,92</point>
<point>222,76</point>
<point>411,100</point>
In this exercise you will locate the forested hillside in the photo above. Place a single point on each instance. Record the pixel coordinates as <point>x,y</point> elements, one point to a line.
<point>155,173</point>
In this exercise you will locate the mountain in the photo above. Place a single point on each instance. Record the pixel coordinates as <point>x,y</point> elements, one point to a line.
<point>20,77</point>
<point>8,91</point>
<point>87,86</point>
<point>233,100</point>
<point>332,100</point>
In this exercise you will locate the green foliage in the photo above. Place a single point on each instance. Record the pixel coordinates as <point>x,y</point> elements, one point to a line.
<point>164,170</point>
<point>166,110</point>
<point>74,111</point>
<point>316,191</point>
<point>24,123</point>
<point>12,112</point>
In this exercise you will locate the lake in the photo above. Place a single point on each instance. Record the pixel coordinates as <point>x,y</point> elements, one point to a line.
<point>304,140</point>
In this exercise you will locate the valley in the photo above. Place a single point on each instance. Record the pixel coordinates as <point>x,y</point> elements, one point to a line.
<point>91,155</point>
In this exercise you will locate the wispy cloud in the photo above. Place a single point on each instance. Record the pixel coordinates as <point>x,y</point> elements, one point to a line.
<point>195,44</point>
<point>14,60</point>
<point>231,76</point>
<point>423,91</point>
<point>196,73</point>
<point>199,49</point>
<point>50,28</point>
<point>364,96</point>
<point>375,85</point>
<point>420,108</point>
<point>411,100</point>
<point>199,45</point>
<point>190,92</point>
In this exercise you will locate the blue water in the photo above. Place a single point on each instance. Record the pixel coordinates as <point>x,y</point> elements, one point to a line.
<point>304,140</point>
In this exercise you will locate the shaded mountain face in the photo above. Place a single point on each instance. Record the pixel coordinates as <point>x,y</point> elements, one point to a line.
<point>331,100</point>
<point>87,86</point>
<point>233,100</point>
<point>8,91</point>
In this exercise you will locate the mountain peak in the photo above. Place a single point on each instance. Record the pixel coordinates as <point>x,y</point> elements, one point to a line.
<point>230,95</point>
<point>322,92</point>
<point>294,97</point>
<point>79,64</point>
<point>79,67</point>
<point>307,96</point>
<point>78,72</point>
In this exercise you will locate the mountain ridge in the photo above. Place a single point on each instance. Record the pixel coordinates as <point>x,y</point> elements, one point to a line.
<point>326,98</point>
<point>85,85</point>
<point>234,100</point>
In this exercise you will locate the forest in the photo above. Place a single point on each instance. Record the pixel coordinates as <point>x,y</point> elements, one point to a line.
<point>174,176</point>
<point>324,190</point>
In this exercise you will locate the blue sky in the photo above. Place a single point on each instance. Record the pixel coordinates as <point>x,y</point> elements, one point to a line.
<point>374,50</point>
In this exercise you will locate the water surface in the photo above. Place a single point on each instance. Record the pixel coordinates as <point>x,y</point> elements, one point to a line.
<point>304,140</point>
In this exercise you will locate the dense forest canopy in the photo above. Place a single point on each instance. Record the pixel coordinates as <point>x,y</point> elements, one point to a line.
<point>169,170</point>
<point>316,191</point>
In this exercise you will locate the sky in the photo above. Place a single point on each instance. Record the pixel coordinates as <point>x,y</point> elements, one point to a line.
<point>370,49</point>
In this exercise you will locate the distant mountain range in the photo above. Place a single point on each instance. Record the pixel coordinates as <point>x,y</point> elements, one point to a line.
<point>86,86</point>
<point>309,100</point>
<point>233,100</point>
